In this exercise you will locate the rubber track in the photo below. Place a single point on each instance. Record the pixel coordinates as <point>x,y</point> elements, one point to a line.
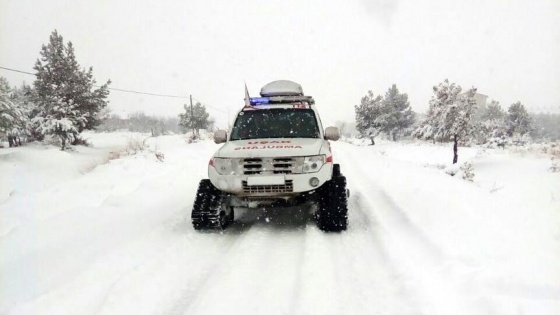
<point>332,215</point>
<point>207,206</point>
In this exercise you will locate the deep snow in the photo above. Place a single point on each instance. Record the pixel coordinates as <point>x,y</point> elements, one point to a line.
<point>82,234</point>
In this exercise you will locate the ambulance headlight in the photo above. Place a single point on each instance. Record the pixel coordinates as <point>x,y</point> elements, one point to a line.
<point>224,166</point>
<point>312,164</point>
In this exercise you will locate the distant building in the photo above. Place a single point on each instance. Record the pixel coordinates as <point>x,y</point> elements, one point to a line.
<point>480,101</point>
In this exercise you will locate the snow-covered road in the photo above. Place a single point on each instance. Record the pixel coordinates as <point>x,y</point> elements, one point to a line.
<point>117,239</point>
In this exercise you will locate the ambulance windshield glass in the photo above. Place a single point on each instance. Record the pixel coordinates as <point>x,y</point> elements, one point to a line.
<point>275,123</point>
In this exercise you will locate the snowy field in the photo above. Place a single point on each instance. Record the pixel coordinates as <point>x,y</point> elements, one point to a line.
<point>97,231</point>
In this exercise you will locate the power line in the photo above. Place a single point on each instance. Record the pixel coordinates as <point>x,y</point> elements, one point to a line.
<point>129,91</point>
<point>213,107</point>
<point>109,88</point>
<point>146,93</point>
<point>14,70</point>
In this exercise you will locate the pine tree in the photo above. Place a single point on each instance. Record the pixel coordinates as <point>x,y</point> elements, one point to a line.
<point>449,116</point>
<point>518,121</point>
<point>493,111</point>
<point>195,118</point>
<point>24,99</point>
<point>491,123</point>
<point>6,108</point>
<point>367,112</point>
<point>397,116</point>
<point>68,102</point>
<point>11,117</point>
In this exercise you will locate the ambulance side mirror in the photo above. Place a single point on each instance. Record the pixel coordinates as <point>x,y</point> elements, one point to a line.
<point>332,133</point>
<point>220,136</point>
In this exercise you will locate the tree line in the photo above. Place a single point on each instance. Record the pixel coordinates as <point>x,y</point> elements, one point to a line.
<point>452,116</point>
<point>140,122</point>
<point>65,100</point>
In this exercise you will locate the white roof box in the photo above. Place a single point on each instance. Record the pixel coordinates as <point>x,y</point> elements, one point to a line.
<point>282,88</point>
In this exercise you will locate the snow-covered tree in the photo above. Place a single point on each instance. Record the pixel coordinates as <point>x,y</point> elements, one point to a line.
<point>493,111</point>
<point>62,120</point>
<point>518,121</point>
<point>24,98</point>
<point>195,118</point>
<point>449,116</point>
<point>491,123</point>
<point>12,118</point>
<point>468,171</point>
<point>546,126</point>
<point>66,95</point>
<point>397,116</point>
<point>391,115</point>
<point>6,107</point>
<point>366,113</point>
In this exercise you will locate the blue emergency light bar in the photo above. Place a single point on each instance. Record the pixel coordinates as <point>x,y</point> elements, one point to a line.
<point>258,100</point>
<point>280,100</point>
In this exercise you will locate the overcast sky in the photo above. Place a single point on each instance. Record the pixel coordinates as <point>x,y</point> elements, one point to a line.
<point>337,50</point>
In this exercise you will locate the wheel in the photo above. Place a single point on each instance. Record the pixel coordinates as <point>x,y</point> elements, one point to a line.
<point>207,212</point>
<point>332,215</point>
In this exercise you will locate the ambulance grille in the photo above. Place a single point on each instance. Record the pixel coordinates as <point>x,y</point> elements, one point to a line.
<point>268,166</point>
<point>263,189</point>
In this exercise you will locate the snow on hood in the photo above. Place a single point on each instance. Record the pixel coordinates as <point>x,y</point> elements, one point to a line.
<point>271,148</point>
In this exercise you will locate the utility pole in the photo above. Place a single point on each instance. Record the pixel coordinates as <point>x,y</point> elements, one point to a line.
<point>228,121</point>
<point>192,118</point>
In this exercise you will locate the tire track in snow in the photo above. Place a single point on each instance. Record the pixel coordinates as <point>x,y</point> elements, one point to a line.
<point>179,270</point>
<point>206,268</point>
<point>382,289</point>
<point>166,281</point>
<point>260,275</point>
<point>206,259</point>
<point>410,251</point>
<point>318,286</point>
<point>347,273</point>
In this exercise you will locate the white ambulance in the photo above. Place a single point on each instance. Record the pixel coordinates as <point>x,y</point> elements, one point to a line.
<point>276,155</point>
